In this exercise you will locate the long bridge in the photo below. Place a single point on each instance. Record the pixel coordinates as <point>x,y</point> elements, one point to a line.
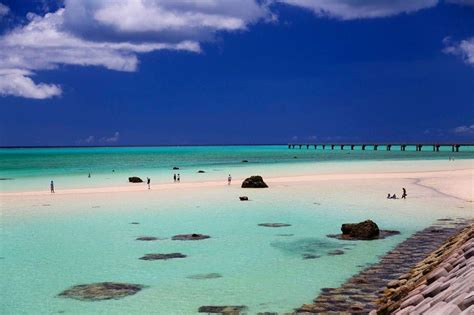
<point>375,146</point>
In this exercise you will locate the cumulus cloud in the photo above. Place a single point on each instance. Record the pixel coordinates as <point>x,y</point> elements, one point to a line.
<point>111,34</point>
<point>350,9</point>
<point>464,130</point>
<point>3,10</point>
<point>463,49</point>
<point>18,83</point>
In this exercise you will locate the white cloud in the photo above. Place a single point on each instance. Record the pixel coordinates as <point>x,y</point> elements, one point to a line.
<point>464,49</point>
<point>359,9</point>
<point>4,10</point>
<point>111,34</point>
<point>17,82</point>
<point>113,139</point>
<point>464,130</point>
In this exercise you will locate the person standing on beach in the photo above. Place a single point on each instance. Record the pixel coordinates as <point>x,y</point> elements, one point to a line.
<point>229,180</point>
<point>52,187</point>
<point>174,178</point>
<point>179,178</point>
<point>148,180</point>
<point>404,193</point>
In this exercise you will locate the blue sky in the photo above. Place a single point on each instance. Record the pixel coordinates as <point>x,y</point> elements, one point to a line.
<point>137,72</point>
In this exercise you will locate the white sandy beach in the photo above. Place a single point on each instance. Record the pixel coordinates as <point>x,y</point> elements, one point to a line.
<point>456,180</point>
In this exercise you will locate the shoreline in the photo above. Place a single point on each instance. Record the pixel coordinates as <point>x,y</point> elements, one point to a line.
<point>417,178</point>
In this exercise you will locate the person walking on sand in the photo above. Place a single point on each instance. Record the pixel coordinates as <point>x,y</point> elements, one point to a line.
<point>179,178</point>
<point>52,187</point>
<point>404,193</point>
<point>148,180</point>
<point>174,178</point>
<point>229,180</point>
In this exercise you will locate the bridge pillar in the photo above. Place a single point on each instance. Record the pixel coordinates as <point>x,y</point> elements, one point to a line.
<point>457,147</point>
<point>389,147</point>
<point>352,147</point>
<point>342,147</point>
<point>403,147</point>
<point>375,147</point>
<point>315,146</point>
<point>363,147</point>
<point>300,146</point>
<point>324,147</point>
<point>332,146</point>
<point>434,147</point>
<point>307,146</point>
<point>437,147</point>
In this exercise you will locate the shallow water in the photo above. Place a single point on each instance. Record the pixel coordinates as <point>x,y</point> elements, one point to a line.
<point>50,243</point>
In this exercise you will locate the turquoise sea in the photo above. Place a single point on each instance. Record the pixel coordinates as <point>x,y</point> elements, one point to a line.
<point>51,242</point>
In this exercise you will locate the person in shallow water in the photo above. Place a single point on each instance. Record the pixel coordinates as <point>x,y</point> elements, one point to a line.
<point>52,187</point>
<point>148,180</point>
<point>404,193</point>
<point>229,179</point>
<point>178,178</point>
<point>388,196</point>
<point>394,196</point>
<point>174,178</point>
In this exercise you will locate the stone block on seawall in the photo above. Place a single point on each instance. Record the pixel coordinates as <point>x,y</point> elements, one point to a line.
<point>436,274</point>
<point>414,300</point>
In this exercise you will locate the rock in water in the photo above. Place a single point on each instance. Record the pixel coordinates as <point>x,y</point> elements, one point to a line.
<point>189,237</point>
<point>135,179</point>
<point>254,182</point>
<point>201,171</point>
<point>222,309</point>
<point>364,230</point>
<point>176,168</point>
<point>101,291</point>
<point>147,238</point>
<point>244,198</point>
<point>205,276</point>
<point>274,225</point>
<point>245,161</point>
<point>162,256</point>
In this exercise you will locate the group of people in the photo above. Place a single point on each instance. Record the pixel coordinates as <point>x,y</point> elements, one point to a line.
<point>177,178</point>
<point>394,196</point>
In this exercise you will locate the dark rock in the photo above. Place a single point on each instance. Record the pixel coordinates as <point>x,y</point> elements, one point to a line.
<point>244,198</point>
<point>336,252</point>
<point>189,237</point>
<point>310,256</point>
<point>176,168</point>
<point>245,161</point>
<point>134,223</point>
<point>101,291</point>
<point>274,225</point>
<point>147,238</point>
<point>383,234</point>
<point>205,276</point>
<point>162,256</point>
<point>135,179</point>
<point>363,230</point>
<point>285,234</point>
<point>5,178</point>
<point>254,182</point>
<point>222,309</point>
<point>201,171</point>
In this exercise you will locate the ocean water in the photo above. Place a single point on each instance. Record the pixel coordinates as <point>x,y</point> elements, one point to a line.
<point>49,243</point>
<point>33,168</point>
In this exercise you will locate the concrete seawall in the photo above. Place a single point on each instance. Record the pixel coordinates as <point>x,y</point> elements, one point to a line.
<point>443,283</point>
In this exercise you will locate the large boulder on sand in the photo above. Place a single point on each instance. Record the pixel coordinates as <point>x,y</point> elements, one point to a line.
<point>254,182</point>
<point>364,230</point>
<point>135,179</point>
